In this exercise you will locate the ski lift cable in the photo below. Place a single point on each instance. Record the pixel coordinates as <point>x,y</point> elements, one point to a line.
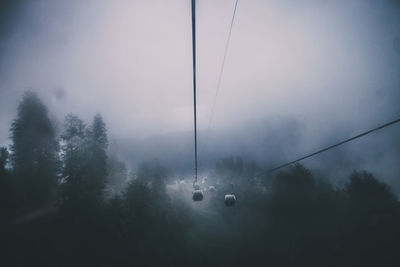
<point>194,87</point>
<point>327,148</point>
<point>221,72</point>
<point>197,193</point>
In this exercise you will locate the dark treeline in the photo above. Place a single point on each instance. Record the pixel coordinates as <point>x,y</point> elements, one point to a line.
<point>67,201</point>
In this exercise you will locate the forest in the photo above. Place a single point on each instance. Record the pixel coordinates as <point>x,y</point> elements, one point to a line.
<point>66,201</point>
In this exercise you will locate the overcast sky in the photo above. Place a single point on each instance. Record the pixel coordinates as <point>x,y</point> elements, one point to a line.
<point>330,69</point>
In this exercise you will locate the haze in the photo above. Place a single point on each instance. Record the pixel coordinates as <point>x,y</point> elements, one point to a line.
<point>298,77</point>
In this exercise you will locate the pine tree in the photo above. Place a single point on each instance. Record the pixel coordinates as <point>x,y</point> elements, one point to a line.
<point>117,174</point>
<point>73,156</point>
<point>34,157</point>
<point>3,161</point>
<point>84,155</point>
<point>97,157</point>
<point>6,197</point>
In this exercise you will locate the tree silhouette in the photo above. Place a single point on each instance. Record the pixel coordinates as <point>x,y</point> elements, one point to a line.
<point>155,175</point>
<point>117,174</point>
<point>6,189</point>
<point>373,216</point>
<point>73,150</point>
<point>34,157</point>
<point>84,157</point>
<point>96,156</point>
<point>293,219</point>
<point>3,160</point>
<point>364,189</point>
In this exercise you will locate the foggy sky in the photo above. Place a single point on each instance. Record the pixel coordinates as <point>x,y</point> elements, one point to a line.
<point>299,75</point>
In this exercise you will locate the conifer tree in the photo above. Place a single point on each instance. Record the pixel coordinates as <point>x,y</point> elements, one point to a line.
<point>34,156</point>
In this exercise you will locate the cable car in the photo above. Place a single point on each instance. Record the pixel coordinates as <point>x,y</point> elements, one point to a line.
<point>211,188</point>
<point>230,200</point>
<point>197,195</point>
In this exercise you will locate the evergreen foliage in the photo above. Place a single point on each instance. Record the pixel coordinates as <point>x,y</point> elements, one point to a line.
<point>293,219</point>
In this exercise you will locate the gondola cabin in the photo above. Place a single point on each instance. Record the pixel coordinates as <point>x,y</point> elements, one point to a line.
<point>197,195</point>
<point>230,200</point>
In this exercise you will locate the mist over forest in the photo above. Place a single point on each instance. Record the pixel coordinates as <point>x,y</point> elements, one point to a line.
<point>97,147</point>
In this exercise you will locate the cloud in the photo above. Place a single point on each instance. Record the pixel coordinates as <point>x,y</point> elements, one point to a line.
<point>328,69</point>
